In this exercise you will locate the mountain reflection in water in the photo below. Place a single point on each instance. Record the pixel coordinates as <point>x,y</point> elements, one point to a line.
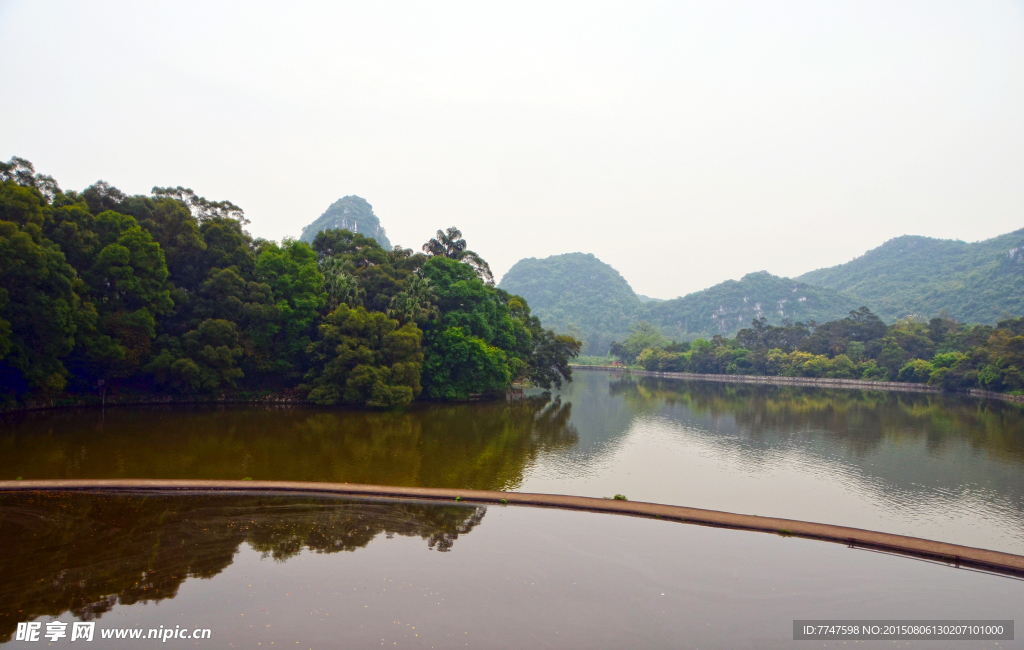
<point>939,466</point>
<point>861,420</point>
<point>87,553</point>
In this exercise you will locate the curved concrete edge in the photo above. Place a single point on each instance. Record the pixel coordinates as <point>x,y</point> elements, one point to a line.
<point>953,554</point>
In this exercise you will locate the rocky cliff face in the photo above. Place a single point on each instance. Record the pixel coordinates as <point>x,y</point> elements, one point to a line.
<point>348,213</point>
<point>732,305</point>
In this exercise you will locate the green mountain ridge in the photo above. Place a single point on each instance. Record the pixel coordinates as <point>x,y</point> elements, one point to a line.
<point>730,306</point>
<point>348,213</point>
<point>576,293</point>
<point>979,282</point>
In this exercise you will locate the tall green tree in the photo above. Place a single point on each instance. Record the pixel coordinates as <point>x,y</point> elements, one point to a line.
<point>172,225</point>
<point>202,361</point>
<point>547,363</point>
<point>366,359</point>
<point>642,336</point>
<point>19,171</point>
<point>450,244</point>
<point>379,275</point>
<point>417,303</point>
<point>38,306</point>
<point>290,270</point>
<point>458,366</point>
<point>228,245</point>
<point>340,284</point>
<point>127,285</point>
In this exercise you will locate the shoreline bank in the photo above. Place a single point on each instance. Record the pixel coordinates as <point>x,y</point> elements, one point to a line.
<point>284,401</point>
<point>819,382</point>
<point>272,400</point>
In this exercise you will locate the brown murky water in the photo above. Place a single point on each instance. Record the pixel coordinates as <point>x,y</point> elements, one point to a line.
<point>934,466</point>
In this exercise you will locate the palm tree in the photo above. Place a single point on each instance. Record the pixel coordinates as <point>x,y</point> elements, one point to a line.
<point>340,285</point>
<point>450,244</point>
<point>416,304</point>
<point>447,244</point>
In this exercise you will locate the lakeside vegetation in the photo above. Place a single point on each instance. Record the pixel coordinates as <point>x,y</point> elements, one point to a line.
<point>940,352</point>
<point>168,293</point>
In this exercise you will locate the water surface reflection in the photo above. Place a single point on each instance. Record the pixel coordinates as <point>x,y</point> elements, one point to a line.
<point>318,572</point>
<point>482,445</point>
<point>927,465</point>
<point>84,553</point>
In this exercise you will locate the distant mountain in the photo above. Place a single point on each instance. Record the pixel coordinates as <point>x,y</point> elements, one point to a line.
<point>578,294</point>
<point>980,282</point>
<point>348,213</point>
<point>732,305</point>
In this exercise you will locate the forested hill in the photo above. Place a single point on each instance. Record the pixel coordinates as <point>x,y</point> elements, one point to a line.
<point>980,282</point>
<point>729,306</point>
<point>348,213</point>
<point>578,294</point>
<point>103,294</point>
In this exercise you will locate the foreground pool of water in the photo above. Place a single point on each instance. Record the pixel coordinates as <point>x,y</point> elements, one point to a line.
<point>935,466</point>
<point>276,571</point>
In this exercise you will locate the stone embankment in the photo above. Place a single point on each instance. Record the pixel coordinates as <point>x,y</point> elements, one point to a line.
<point>951,554</point>
<point>820,382</point>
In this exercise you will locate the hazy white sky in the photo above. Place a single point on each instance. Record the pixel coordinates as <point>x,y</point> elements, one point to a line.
<point>683,143</point>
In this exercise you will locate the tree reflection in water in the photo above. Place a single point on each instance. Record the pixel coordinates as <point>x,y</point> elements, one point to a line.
<point>859,419</point>
<point>481,445</point>
<point>85,553</point>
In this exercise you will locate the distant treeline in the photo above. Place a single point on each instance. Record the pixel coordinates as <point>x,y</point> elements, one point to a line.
<point>101,291</point>
<point>940,352</point>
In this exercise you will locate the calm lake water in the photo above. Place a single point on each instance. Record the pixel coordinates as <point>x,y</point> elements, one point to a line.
<point>935,466</point>
<point>278,571</point>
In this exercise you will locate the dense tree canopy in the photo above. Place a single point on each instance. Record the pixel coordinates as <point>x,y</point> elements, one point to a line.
<point>38,308</point>
<point>102,291</point>
<point>366,358</point>
<point>940,352</point>
<point>450,244</point>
